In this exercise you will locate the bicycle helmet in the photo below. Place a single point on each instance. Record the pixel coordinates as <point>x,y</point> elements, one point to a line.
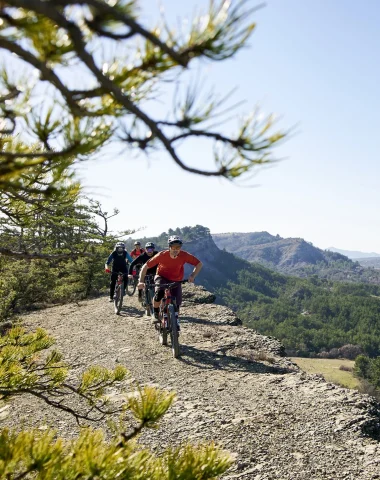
<point>137,244</point>
<point>149,245</point>
<point>119,248</point>
<point>174,240</point>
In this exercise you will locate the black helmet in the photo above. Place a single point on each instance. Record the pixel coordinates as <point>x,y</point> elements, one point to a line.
<point>137,244</point>
<point>149,245</point>
<point>174,240</point>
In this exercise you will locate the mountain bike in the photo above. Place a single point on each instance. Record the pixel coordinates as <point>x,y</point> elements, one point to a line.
<point>168,319</point>
<point>147,299</point>
<point>119,292</point>
<point>132,282</point>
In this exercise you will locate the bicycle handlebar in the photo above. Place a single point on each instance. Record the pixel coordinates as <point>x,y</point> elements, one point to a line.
<point>171,284</point>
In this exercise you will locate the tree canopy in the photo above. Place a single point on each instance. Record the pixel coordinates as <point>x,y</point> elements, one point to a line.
<point>81,74</point>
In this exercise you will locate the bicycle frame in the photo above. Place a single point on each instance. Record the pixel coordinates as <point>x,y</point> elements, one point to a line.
<point>148,295</point>
<point>169,318</point>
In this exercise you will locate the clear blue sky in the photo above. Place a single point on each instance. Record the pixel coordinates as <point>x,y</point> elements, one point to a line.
<point>314,63</point>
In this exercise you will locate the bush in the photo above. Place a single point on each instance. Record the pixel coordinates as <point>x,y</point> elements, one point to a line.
<point>350,351</point>
<point>362,367</point>
<point>345,368</point>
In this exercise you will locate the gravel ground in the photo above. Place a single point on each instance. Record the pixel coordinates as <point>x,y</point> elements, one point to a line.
<point>233,386</point>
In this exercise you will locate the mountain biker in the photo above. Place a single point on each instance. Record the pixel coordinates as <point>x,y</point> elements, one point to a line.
<point>141,260</point>
<point>119,258</point>
<point>170,268</point>
<point>137,251</point>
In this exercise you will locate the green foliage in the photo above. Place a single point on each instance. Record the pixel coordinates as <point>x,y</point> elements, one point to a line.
<point>311,316</point>
<point>150,405</point>
<point>368,371</point>
<point>32,454</point>
<point>35,455</point>
<point>110,106</point>
<point>61,248</point>
<point>362,366</point>
<point>201,463</point>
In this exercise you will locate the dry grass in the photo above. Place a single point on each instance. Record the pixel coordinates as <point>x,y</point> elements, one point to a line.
<point>255,356</point>
<point>338,371</point>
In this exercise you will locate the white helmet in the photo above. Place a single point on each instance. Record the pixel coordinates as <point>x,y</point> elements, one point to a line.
<point>119,248</point>
<point>174,240</point>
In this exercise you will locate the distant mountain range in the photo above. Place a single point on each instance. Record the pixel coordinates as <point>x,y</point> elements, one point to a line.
<point>295,256</point>
<point>354,255</point>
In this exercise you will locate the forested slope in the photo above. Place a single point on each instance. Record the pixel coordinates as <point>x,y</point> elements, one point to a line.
<point>309,315</point>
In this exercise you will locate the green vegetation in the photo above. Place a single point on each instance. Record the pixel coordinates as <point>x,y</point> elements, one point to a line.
<point>66,252</point>
<point>338,371</point>
<point>311,316</point>
<point>33,454</point>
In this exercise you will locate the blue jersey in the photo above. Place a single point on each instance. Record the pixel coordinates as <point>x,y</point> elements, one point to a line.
<point>119,262</point>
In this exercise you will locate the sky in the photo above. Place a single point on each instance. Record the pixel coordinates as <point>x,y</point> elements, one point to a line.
<point>315,65</point>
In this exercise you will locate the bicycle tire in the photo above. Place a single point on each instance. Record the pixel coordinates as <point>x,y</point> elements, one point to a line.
<point>116,299</point>
<point>173,331</point>
<point>148,304</point>
<point>151,299</point>
<point>119,300</point>
<point>162,332</point>
<point>131,286</point>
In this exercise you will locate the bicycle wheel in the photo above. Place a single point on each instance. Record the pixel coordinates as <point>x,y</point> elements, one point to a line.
<point>119,298</point>
<point>162,332</point>
<point>148,303</point>
<point>173,331</point>
<point>131,286</point>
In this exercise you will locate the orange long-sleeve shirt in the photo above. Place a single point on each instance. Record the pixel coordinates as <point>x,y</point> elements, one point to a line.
<point>172,268</point>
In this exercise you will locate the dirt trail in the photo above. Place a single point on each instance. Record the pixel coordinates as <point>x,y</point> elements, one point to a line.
<point>279,422</point>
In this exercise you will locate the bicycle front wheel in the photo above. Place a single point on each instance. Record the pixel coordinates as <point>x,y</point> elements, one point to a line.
<point>131,286</point>
<point>173,331</point>
<point>162,332</point>
<point>119,298</point>
<point>148,304</point>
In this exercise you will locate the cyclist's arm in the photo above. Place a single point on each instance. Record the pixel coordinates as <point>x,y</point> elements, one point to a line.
<point>143,273</point>
<point>131,265</point>
<point>195,272</point>
<point>109,261</point>
<point>128,257</point>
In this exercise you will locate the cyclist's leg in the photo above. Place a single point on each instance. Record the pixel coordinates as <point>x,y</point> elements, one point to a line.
<point>159,294</point>
<point>177,293</point>
<point>125,278</point>
<point>112,284</point>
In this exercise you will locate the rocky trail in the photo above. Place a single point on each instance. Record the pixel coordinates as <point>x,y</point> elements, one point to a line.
<point>233,386</point>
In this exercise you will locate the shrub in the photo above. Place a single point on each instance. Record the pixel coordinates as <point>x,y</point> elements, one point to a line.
<point>345,368</point>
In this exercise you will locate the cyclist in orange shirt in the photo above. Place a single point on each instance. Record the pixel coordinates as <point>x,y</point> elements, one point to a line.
<point>170,268</point>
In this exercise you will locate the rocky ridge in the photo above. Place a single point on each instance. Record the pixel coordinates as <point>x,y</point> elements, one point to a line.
<point>233,386</point>
<point>295,256</point>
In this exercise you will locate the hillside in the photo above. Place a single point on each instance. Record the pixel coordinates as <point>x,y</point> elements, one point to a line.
<point>310,316</point>
<point>294,256</point>
<point>233,386</point>
<point>369,262</point>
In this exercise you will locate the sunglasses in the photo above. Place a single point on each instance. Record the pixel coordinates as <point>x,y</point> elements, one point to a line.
<point>150,250</point>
